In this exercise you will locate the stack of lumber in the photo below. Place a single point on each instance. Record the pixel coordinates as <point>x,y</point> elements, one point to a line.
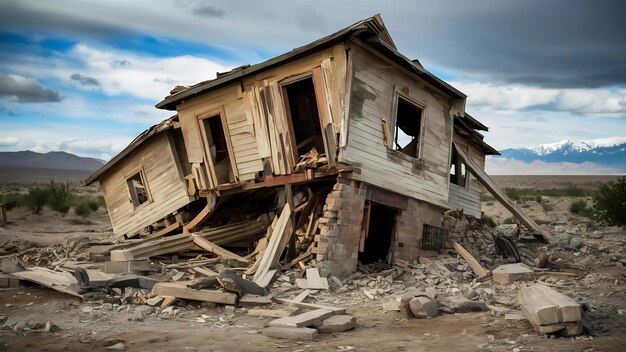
<point>184,242</point>
<point>549,311</point>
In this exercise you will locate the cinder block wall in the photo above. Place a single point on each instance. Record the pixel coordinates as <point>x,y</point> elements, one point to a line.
<point>337,246</point>
<point>410,226</point>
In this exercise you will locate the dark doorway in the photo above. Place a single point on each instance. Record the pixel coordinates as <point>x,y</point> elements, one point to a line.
<point>304,116</point>
<point>215,140</point>
<point>377,233</point>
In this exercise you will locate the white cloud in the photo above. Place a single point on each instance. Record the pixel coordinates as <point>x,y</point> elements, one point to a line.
<point>8,141</point>
<point>504,166</point>
<point>119,72</point>
<point>599,102</point>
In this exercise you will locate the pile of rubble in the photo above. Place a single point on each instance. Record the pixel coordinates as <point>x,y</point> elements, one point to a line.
<point>154,276</point>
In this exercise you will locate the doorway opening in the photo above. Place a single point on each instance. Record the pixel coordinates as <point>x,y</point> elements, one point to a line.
<point>379,223</point>
<point>304,116</point>
<point>217,147</point>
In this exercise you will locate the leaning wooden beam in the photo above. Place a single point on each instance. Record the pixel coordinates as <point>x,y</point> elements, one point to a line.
<point>215,249</point>
<point>202,216</point>
<point>280,236</point>
<point>486,181</point>
<point>473,263</point>
<point>180,290</point>
<point>164,231</point>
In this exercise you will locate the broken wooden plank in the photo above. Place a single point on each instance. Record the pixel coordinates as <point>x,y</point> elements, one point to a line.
<point>315,281</point>
<point>215,249</point>
<point>164,231</point>
<point>301,296</point>
<point>58,281</point>
<point>495,190</point>
<point>266,279</point>
<point>305,319</point>
<point>204,271</point>
<point>250,300</point>
<point>270,313</point>
<point>180,290</point>
<point>473,263</point>
<point>276,245</point>
<point>307,334</point>
<point>303,305</point>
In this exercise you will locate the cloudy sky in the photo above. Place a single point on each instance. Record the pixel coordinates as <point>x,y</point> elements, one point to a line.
<point>84,76</point>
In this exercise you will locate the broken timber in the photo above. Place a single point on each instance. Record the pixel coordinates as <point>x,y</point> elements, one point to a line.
<point>215,249</point>
<point>183,242</point>
<point>306,319</point>
<point>478,269</point>
<point>280,236</point>
<point>180,290</point>
<point>486,181</point>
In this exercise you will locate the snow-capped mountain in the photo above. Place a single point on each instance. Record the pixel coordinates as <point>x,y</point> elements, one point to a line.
<point>604,151</point>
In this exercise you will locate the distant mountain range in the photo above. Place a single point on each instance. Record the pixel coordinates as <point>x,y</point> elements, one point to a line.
<point>50,160</point>
<point>607,152</point>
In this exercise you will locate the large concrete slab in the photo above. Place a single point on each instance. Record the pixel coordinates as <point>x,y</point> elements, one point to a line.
<point>505,274</point>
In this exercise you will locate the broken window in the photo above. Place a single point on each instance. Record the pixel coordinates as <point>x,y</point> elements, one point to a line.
<point>408,126</point>
<point>458,170</point>
<point>304,116</point>
<point>137,188</point>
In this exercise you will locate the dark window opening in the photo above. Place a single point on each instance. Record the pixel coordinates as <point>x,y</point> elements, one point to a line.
<point>305,119</point>
<point>408,125</point>
<point>217,146</point>
<point>458,170</point>
<point>380,221</point>
<point>137,188</point>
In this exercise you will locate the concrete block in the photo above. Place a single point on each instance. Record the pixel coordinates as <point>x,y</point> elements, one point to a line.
<point>337,323</point>
<point>505,274</point>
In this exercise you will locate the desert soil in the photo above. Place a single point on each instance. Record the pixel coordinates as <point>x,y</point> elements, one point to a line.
<point>92,326</point>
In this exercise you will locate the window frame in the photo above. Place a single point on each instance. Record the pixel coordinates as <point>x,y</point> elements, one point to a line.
<point>397,95</point>
<point>132,193</point>
<point>460,162</point>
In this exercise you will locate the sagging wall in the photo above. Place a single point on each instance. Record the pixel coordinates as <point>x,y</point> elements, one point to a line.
<point>468,197</point>
<point>337,244</point>
<point>376,84</point>
<point>254,110</point>
<point>158,161</point>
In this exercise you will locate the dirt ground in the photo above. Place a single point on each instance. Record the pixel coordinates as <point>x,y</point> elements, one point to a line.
<point>92,326</point>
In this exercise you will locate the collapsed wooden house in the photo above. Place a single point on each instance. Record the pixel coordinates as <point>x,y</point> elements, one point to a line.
<point>372,144</point>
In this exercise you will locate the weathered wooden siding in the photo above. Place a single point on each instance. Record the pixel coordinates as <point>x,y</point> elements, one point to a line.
<point>164,180</point>
<point>227,100</point>
<point>374,82</point>
<point>468,198</point>
<point>255,113</point>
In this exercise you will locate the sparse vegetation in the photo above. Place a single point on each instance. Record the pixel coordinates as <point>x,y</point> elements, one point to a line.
<point>547,206</point>
<point>59,196</point>
<point>523,194</point>
<point>36,199</point>
<point>510,220</point>
<point>82,209</point>
<point>580,207</point>
<point>486,197</point>
<point>610,202</point>
<point>488,220</point>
